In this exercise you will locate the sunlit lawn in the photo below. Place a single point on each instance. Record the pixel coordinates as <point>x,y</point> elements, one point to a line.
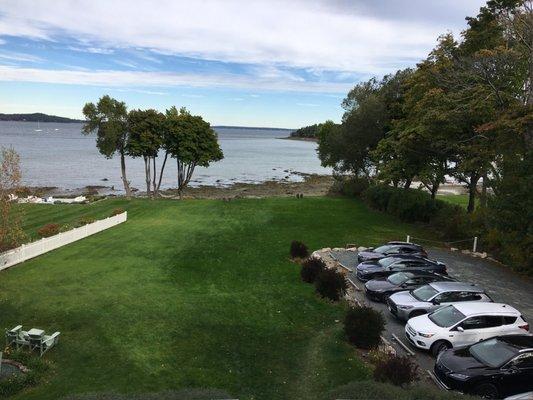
<point>194,294</point>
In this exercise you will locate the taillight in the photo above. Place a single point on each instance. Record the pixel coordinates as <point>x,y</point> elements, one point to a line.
<point>524,327</point>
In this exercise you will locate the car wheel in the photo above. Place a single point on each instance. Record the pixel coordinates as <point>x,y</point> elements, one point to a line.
<point>439,347</point>
<point>486,391</point>
<point>417,313</point>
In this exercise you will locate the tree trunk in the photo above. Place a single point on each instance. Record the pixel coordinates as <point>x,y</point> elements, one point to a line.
<point>472,193</point>
<point>147,174</point>
<point>154,177</point>
<point>407,184</point>
<point>124,178</point>
<point>483,196</point>
<point>161,172</point>
<point>434,190</point>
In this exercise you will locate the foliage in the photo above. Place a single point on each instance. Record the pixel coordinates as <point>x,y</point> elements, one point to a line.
<point>191,141</point>
<point>298,249</point>
<point>351,185</point>
<point>117,211</point>
<point>15,384</point>
<point>49,230</point>
<point>144,140</point>
<point>330,284</point>
<point>310,131</point>
<point>109,119</point>
<point>400,371</point>
<point>363,327</point>
<point>311,267</point>
<point>85,220</point>
<point>11,234</point>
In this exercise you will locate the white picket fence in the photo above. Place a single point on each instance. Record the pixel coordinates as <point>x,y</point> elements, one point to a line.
<point>34,249</point>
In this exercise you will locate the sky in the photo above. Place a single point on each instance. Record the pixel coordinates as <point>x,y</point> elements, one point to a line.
<point>274,63</point>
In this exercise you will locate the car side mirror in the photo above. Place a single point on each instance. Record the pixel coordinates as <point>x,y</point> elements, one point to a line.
<point>404,285</point>
<point>435,301</point>
<point>460,329</point>
<point>512,370</point>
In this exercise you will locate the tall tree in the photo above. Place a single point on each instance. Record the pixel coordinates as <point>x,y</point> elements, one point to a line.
<point>109,119</point>
<point>146,132</point>
<point>191,141</point>
<point>11,233</point>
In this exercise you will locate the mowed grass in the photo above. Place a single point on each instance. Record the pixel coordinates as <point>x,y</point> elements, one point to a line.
<point>192,294</point>
<point>458,199</point>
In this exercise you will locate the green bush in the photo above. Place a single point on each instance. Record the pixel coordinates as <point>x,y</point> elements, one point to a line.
<point>378,196</point>
<point>85,220</point>
<point>330,284</point>
<point>117,211</point>
<point>311,267</point>
<point>37,368</point>
<point>298,250</point>
<point>400,371</point>
<point>353,186</point>
<point>48,230</point>
<point>363,327</point>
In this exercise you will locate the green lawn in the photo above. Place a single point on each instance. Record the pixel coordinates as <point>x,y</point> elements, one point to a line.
<point>459,199</point>
<point>192,294</point>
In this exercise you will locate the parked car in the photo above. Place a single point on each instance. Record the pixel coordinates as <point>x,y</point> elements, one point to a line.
<point>391,248</point>
<point>427,298</point>
<point>381,288</point>
<point>462,324</point>
<point>389,265</point>
<point>494,368</point>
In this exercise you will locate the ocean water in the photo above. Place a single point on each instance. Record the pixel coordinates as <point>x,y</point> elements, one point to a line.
<point>60,155</point>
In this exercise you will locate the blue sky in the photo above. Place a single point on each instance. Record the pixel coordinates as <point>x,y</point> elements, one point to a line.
<point>251,63</point>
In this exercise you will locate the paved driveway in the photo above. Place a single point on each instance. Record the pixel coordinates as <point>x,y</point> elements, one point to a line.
<point>501,284</point>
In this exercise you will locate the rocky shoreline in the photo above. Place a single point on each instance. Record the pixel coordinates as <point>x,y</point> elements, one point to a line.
<point>312,185</point>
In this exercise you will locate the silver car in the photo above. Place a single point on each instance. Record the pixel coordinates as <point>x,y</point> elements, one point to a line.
<point>427,298</point>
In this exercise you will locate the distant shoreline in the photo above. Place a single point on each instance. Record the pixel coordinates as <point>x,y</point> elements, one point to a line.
<point>302,139</point>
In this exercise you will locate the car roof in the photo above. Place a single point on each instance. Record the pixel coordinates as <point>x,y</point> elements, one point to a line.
<point>523,341</point>
<point>400,243</point>
<point>481,307</point>
<point>456,287</point>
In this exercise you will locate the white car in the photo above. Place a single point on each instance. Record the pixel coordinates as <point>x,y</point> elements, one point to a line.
<point>461,324</point>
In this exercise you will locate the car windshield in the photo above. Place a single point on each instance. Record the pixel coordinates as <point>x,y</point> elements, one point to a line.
<point>446,316</point>
<point>383,249</point>
<point>493,352</point>
<point>385,262</point>
<point>398,278</point>
<point>424,293</point>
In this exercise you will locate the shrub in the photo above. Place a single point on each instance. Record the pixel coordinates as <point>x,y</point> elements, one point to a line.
<point>85,220</point>
<point>330,284</point>
<point>48,230</point>
<point>377,196</point>
<point>363,327</point>
<point>299,249</point>
<point>353,186</point>
<point>117,211</point>
<point>311,267</point>
<point>399,371</point>
<point>16,383</point>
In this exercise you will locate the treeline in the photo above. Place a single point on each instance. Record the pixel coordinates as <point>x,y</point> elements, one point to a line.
<point>465,112</point>
<point>146,134</point>
<point>310,131</point>
<point>36,117</point>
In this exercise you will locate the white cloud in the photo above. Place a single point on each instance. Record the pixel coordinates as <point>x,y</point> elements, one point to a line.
<point>297,33</point>
<point>14,56</point>
<point>115,78</point>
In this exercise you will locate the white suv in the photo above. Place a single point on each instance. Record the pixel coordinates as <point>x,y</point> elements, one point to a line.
<point>461,324</point>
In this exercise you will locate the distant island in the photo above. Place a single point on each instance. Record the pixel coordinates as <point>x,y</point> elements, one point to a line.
<point>309,133</point>
<point>36,117</point>
<point>259,128</point>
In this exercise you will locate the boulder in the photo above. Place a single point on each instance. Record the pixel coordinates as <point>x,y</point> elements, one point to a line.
<point>454,249</point>
<point>362,248</point>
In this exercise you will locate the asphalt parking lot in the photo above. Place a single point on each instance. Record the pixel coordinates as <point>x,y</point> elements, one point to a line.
<point>500,283</point>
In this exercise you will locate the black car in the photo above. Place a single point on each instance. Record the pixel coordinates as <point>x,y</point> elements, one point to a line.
<point>381,288</point>
<point>494,368</point>
<point>391,248</point>
<point>384,267</point>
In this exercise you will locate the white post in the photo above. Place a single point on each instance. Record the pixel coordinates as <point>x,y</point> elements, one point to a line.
<point>408,239</point>
<point>474,247</point>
